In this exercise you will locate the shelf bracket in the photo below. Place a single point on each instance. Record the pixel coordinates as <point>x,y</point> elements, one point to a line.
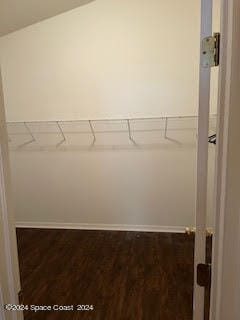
<point>30,133</point>
<point>93,133</point>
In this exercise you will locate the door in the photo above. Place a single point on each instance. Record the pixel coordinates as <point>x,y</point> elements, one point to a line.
<point>9,271</point>
<point>202,157</point>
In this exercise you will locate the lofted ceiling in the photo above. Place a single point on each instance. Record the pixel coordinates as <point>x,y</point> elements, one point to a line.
<point>17,14</point>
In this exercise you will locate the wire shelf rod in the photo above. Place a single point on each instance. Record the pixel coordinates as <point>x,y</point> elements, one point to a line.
<point>108,119</point>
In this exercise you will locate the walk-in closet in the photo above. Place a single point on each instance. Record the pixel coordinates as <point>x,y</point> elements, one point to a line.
<point>102,109</point>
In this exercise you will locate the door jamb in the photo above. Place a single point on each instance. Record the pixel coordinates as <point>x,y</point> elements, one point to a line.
<point>9,277</point>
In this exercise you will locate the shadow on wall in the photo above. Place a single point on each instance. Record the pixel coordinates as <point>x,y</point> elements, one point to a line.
<point>15,15</point>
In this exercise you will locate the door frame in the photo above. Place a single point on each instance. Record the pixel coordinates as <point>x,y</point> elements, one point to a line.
<point>202,159</point>
<point>9,268</point>
<point>225,294</point>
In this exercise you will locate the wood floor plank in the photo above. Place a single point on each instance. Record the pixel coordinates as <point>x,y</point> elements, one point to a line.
<point>124,275</point>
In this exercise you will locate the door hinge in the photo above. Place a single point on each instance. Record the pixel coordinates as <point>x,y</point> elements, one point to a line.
<point>204,275</point>
<point>211,51</point>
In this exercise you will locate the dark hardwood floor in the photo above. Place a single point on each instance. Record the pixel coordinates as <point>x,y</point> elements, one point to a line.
<point>124,275</point>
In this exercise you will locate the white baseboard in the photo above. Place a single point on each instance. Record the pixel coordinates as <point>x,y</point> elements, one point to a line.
<point>89,226</point>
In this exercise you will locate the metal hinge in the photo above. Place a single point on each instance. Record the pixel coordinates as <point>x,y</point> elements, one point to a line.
<point>204,271</point>
<point>211,51</point>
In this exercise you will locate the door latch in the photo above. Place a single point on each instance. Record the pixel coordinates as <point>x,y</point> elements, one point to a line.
<point>204,275</point>
<point>211,51</point>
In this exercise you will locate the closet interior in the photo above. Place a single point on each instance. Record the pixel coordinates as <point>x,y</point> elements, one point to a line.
<point>102,119</point>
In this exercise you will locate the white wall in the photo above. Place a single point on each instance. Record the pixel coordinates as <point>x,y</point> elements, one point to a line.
<point>105,187</point>
<point>108,59</point>
<point>141,187</point>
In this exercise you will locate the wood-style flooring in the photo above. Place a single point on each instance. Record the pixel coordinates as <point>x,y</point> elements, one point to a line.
<point>124,275</point>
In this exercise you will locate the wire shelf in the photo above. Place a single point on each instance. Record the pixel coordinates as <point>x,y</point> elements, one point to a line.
<point>96,133</point>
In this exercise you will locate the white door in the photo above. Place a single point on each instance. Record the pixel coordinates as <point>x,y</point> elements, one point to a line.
<point>202,158</point>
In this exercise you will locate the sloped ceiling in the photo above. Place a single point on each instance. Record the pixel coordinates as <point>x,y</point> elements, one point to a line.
<point>17,14</point>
